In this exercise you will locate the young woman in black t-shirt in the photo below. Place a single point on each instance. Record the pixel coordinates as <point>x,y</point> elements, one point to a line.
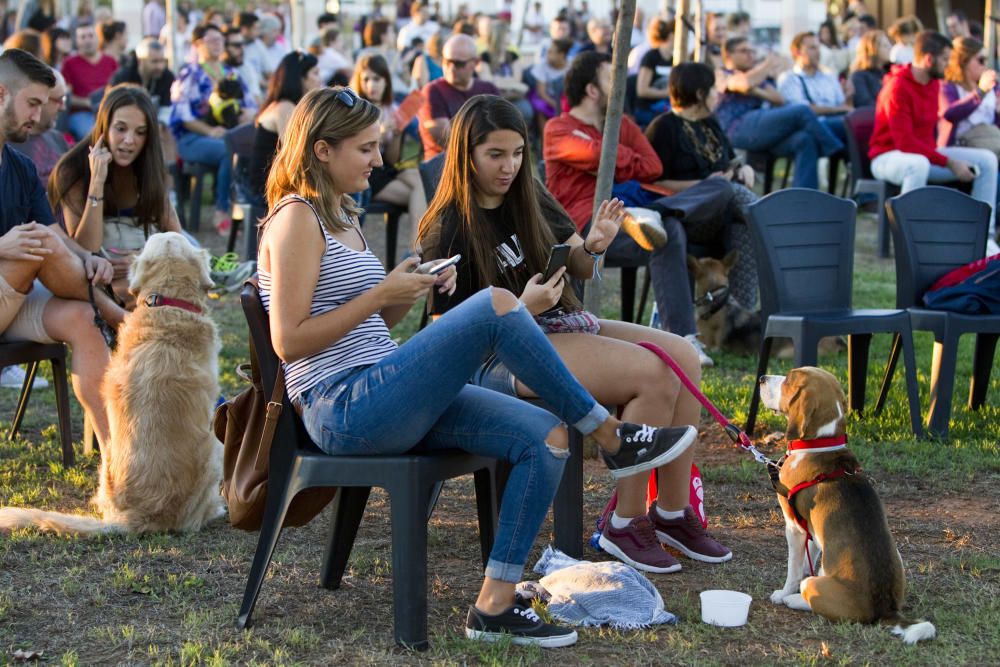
<point>490,209</point>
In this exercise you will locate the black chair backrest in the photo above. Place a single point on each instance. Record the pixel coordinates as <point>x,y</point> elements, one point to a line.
<point>260,335</point>
<point>934,231</point>
<point>239,140</point>
<point>430,175</point>
<point>860,124</point>
<point>804,241</point>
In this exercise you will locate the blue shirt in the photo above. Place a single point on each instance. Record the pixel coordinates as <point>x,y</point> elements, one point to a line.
<point>819,88</point>
<point>732,107</point>
<point>190,92</point>
<point>22,197</point>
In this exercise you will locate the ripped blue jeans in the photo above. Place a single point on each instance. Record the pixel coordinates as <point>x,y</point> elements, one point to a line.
<point>418,398</point>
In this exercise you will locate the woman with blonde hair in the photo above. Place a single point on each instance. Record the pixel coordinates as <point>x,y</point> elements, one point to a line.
<point>968,99</point>
<point>870,65</point>
<point>331,305</point>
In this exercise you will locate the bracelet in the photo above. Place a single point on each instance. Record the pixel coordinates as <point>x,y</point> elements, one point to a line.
<point>595,255</point>
<point>595,274</point>
<point>94,201</point>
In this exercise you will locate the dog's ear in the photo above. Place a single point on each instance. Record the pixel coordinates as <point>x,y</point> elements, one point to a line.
<point>137,273</point>
<point>729,261</point>
<point>796,404</point>
<point>694,266</point>
<point>204,267</point>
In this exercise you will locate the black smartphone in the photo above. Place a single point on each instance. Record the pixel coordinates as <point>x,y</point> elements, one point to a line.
<point>558,257</point>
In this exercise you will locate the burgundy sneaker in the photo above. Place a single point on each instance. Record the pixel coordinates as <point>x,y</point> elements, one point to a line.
<point>688,536</point>
<point>636,544</point>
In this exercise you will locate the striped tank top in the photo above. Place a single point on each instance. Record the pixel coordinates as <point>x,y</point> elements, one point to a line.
<point>344,274</point>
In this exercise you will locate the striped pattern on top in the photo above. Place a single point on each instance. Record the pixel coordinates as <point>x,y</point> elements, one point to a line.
<point>344,274</point>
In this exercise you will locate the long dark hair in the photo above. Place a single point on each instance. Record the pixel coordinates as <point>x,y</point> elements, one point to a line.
<point>74,167</point>
<point>286,82</point>
<point>455,200</point>
<point>377,64</point>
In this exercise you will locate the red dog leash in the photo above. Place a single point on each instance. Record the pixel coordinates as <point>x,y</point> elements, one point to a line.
<point>735,433</point>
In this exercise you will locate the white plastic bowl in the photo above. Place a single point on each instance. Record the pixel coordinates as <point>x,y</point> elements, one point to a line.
<point>728,609</point>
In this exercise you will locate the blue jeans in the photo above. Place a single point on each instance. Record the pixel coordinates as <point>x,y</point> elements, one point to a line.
<point>80,123</point>
<point>194,147</point>
<point>419,395</point>
<point>791,130</point>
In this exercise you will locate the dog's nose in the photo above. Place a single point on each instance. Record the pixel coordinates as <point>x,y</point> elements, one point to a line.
<point>762,380</point>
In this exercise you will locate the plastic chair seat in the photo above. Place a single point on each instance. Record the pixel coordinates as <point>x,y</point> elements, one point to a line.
<point>411,481</point>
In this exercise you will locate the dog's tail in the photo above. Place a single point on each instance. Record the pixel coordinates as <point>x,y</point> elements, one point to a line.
<point>56,522</point>
<point>911,632</point>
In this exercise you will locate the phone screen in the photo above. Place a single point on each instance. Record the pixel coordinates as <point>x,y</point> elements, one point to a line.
<point>558,257</point>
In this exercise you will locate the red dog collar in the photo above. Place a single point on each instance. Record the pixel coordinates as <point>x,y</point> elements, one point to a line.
<point>155,300</point>
<point>817,443</point>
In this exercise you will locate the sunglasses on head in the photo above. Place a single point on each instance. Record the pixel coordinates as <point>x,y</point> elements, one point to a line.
<point>346,97</point>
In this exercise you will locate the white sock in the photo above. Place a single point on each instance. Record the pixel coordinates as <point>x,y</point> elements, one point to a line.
<point>618,522</point>
<point>669,514</point>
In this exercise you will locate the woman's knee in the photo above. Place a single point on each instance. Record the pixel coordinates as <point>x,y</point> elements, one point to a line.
<point>558,441</point>
<point>503,300</point>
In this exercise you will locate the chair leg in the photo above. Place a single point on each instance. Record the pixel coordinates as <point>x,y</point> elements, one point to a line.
<point>986,345</point>
<point>194,219</point>
<point>857,370</point>
<point>567,507</point>
<point>349,506</point>
<point>391,237</point>
<point>629,274</point>
<point>806,349</point>
<point>278,500</point>
<point>942,384</point>
<point>890,370</point>
<point>408,498</point>
<point>644,296</point>
<point>486,510</point>
<point>912,388</point>
<point>62,409</point>
<point>234,230</point>
<point>22,401</point>
<point>762,359</point>
<point>883,225</point>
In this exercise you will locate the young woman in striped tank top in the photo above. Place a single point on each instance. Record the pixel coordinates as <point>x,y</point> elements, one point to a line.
<point>331,305</point>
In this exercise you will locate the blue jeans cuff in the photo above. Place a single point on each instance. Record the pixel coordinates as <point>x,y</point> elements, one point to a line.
<point>597,416</point>
<point>504,571</point>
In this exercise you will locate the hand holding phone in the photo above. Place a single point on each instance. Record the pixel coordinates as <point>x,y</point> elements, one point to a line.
<point>558,257</point>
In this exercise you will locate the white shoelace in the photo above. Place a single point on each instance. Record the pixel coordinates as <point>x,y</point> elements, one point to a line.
<point>645,434</point>
<point>529,614</point>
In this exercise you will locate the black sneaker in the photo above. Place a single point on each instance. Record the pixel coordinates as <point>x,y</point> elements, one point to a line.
<point>646,447</point>
<point>521,624</point>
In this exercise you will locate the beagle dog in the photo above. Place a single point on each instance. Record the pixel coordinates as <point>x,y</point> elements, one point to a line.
<point>825,496</point>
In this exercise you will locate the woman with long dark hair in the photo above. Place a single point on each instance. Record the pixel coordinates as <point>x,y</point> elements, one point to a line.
<point>296,75</point>
<point>111,186</point>
<point>331,304</point>
<point>402,187</point>
<point>489,209</point>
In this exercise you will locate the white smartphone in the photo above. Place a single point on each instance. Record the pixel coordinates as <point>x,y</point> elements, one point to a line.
<point>444,264</point>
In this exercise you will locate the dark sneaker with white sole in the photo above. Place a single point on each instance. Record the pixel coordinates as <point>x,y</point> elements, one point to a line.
<point>688,536</point>
<point>636,545</point>
<point>646,447</point>
<point>521,624</point>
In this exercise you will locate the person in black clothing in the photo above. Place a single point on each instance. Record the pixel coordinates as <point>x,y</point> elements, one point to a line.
<point>692,147</point>
<point>869,67</point>
<point>651,96</point>
<point>147,67</point>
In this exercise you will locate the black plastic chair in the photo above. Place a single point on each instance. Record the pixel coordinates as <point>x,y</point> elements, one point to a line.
<point>804,240</point>
<point>190,184</point>
<point>296,464</point>
<point>391,214</point>
<point>23,352</point>
<point>239,144</point>
<point>936,230</point>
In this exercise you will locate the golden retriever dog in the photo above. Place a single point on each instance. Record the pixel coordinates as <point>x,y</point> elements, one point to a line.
<point>162,469</point>
<point>824,494</point>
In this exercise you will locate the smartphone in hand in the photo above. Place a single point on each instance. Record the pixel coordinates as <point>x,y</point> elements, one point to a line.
<point>558,257</point>
<point>437,268</point>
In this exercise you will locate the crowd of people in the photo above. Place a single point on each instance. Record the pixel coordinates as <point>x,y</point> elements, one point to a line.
<point>90,132</point>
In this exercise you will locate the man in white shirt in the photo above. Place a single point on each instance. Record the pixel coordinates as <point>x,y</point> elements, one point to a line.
<point>253,51</point>
<point>153,18</point>
<point>273,48</point>
<point>331,59</point>
<point>807,84</point>
<point>420,26</point>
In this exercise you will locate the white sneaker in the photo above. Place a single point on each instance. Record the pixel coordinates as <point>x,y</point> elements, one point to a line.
<point>12,377</point>
<point>698,345</point>
<point>645,227</point>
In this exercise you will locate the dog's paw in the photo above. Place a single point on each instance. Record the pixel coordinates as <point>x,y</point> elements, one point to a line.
<point>797,602</point>
<point>778,596</point>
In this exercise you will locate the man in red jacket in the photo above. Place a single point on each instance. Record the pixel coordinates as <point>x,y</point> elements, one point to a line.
<point>903,148</point>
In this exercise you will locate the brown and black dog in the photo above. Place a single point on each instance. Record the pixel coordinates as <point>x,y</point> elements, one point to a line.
<point>860,577</point>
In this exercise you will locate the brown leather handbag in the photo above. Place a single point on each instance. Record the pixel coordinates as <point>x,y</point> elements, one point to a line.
<point>245,425</point>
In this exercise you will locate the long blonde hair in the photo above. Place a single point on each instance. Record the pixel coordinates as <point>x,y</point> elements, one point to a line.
<point>322,114</point>
<point>867,56</point>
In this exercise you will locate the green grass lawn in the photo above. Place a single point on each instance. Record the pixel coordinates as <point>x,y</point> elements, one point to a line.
<point>173,599</point>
